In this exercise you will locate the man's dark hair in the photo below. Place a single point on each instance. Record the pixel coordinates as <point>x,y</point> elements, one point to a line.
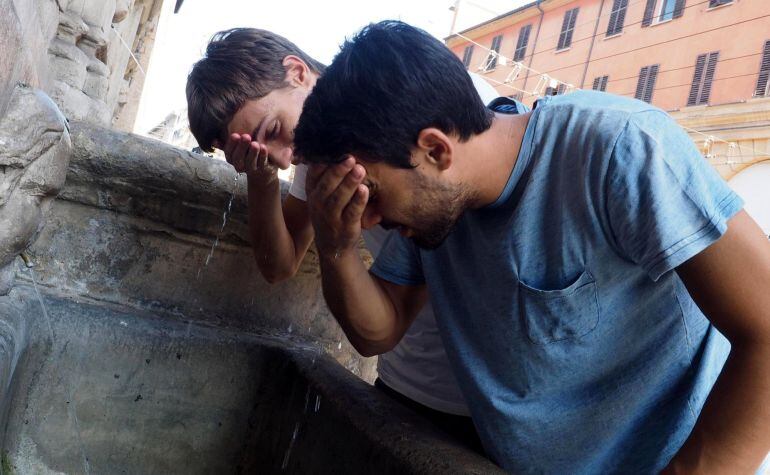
<point>240,64</point>
<point>386,85</point>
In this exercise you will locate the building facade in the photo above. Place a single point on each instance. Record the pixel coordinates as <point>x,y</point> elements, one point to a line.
<point>706,62</point>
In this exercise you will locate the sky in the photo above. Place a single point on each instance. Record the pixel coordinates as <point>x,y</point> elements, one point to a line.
<point>316,27</point>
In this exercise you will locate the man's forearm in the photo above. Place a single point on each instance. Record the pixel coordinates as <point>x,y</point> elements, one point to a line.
<point>360,305</point>
<point>732,433</point>
<point>273,244</point>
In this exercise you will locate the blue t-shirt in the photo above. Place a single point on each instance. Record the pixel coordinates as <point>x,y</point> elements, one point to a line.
<point>575,344</point>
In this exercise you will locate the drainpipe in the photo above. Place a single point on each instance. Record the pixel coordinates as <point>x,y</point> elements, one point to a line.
<point>591,48</point>
<point>456,9</point>
<point>534,44</point>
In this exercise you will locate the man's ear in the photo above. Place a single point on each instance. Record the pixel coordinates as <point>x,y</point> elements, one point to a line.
<point>297,72</point>
<point>436,148</point>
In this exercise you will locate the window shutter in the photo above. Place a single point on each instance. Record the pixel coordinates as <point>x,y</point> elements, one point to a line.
<point>563,34</point>
<point>764,71</point>
<point>700,63</point>
<point>491,62</point>
<point>639,94</point>
<point>467,55</point>
<point>650,86</point>
<point>521,44</point>
<point>568,24</point>
<point>617,17</point>
<point>709,77</point>
<point>649,11</point>
<point>600,83</point>
<point>679,8</point>
<point>572,21</point>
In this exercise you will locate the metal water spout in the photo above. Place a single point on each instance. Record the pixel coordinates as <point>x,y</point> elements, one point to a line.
<point>27,260</point>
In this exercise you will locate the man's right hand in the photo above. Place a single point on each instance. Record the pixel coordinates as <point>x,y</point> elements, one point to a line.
<point>336,201</point>
<point>250,157</point>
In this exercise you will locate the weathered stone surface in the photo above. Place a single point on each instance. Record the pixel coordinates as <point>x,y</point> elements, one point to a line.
<point>10,49</point>
<point>122,8</point>
<point>72,101</point>
<point>142,41</point>
<point>94,12</point>
<point>34,156</point>
<point>45,43</point>
<point>123,390</point>
<point>140,223</point>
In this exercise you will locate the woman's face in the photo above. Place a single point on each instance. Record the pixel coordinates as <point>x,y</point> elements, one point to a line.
<point>271,120</point>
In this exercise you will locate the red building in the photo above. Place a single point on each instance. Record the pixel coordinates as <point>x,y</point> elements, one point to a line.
<point>707,62</point>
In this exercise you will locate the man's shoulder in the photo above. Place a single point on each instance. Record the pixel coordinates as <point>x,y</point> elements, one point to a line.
<point>595,101</point>
<point>596,118</point>
<point>594,109</point>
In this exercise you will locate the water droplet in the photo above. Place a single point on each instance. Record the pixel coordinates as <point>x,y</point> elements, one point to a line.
<point>317,402</point>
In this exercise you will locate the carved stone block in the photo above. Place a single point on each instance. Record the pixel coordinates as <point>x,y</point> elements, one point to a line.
<point>35,149</point>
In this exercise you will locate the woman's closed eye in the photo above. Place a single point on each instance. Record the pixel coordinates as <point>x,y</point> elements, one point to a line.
<point>274,131</point>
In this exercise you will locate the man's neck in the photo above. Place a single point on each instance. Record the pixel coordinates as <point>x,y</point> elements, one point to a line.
<point>492,156</point>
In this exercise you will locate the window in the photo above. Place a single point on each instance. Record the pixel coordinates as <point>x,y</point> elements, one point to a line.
<point>617,17</point>
<point>556,91</point>
<point>700,90</point>
<point>646,84</point>
<point>763,85</point>
<point>491,62</point>
<point>521,44</point>
<point>716,3</point>
<point>600,83</point>
<point>666,10</point>
<point>662,10</point>
<point>467,55</point>
<point>567,27</point>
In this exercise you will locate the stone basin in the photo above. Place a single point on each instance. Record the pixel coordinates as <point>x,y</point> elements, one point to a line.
<point>160,351</point>
<point>121,391</point>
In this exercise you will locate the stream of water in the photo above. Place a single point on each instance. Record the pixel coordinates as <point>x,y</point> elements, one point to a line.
<point>225,214</point>
<point>65,381</point>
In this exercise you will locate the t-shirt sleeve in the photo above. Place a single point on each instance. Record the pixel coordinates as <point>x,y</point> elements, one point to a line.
<point>297,188</point>
<point>665,203</point>
<point>399,262</point>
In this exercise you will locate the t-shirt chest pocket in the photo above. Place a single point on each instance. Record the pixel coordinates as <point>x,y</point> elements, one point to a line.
<point>559,314</point>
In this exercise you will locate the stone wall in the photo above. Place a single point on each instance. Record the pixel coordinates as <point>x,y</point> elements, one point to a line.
<point>26,29</point>
<point>79,53</point>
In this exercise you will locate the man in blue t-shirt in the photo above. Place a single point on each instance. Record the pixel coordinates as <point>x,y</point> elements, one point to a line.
<point>582,260</point>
